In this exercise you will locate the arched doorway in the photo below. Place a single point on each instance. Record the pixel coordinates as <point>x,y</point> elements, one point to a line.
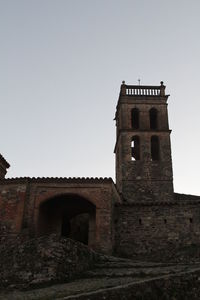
<point>69,215</point>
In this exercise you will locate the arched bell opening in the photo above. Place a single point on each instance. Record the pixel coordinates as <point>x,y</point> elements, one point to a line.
<point>71,216</point>
<point>155,148</point>
<point>135,118</point>
<point>153,118</point>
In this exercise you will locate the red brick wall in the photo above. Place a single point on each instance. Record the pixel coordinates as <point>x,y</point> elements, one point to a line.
<point>21,199</point>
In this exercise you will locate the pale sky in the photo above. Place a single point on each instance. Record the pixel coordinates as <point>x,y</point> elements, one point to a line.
<point>61,66</point>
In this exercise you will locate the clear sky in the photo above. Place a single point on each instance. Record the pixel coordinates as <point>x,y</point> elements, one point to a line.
<point>61,66</point>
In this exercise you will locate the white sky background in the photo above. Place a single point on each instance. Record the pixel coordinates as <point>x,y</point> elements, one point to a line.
<point>61,66</point>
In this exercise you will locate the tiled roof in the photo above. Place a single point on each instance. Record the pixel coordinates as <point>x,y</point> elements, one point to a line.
<point>179,200</point>
<point>4,161</point>
<point>58,179</point>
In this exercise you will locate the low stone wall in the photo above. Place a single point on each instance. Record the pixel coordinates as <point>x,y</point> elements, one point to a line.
<point>43,261</point>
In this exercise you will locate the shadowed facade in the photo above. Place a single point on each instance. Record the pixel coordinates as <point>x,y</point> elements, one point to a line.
<point>139,216</point>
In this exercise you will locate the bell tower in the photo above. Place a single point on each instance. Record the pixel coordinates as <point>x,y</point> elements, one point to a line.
<point>143,149</point>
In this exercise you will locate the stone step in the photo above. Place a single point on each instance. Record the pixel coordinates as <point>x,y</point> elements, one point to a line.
<point>127,265</point>
<point>125,273</point>
<point>140,265</point>
<point>129,271</point>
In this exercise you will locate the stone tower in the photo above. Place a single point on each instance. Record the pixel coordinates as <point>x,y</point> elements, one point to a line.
<point>143,150</point>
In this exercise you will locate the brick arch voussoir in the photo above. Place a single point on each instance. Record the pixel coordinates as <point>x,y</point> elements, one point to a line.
<point>96,201</point>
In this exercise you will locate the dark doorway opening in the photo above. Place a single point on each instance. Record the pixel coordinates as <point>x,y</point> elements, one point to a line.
<point>71,216</point>
<point>76,228</point>
<point>66,227</point>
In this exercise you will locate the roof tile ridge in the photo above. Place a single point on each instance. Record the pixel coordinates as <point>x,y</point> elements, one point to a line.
<point>58,178</point>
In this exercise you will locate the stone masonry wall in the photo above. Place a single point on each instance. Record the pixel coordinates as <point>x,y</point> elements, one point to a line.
<point>156,232</point>
<point>144,178</point>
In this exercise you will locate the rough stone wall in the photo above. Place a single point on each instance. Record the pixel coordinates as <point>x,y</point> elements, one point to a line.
<point>41,261</point>
<point>157,231</point>
<point>145,179</point>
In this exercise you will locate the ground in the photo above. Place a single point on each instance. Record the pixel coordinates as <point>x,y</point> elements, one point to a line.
<point>65,269</point>
<point>121,279</point>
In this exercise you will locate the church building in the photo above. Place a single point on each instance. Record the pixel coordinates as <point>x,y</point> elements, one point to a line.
<point>139,215</point>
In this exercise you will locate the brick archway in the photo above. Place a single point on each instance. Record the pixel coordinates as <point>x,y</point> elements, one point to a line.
<point>100,235</point>
<point>69,215</point>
